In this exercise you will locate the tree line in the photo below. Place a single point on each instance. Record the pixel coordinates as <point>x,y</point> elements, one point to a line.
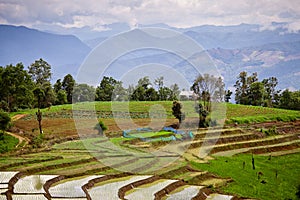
<point>31,88</point>
<point>250,91</point>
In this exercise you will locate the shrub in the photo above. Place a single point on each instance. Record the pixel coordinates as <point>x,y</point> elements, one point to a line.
<point>4,121</point>
<point>37,141</point>
<point>269,132</point>
<point>100,126</point>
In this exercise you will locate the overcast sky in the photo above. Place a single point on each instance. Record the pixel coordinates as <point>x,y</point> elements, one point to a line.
<point>178,13</point>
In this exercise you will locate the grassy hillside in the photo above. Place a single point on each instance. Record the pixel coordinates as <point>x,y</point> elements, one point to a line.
<point>234,112</point>
<point>278,179</point>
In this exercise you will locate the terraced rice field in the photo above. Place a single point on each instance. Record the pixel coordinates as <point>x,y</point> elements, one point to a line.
<point>70,188</point>
<point>109,190</point>
<point>94,187</point>
<point>117,167</point>
<point>184,193</point>
<point>32,184</point>
<point>148,190</point>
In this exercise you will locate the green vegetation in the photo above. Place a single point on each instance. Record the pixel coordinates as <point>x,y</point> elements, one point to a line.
<point>243,114</point>
<point>7,143</point>
<point>209,89</point>
<point>235,113</point>
<point>250,91</point>
<point>274,178</point>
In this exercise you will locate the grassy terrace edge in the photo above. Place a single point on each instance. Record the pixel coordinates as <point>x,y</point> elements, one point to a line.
<point>235,113</point>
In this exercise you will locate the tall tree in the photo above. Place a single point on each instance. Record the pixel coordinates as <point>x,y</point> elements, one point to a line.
<point>40,71</point>
<point>119,93</point>
<point>83,92</point>
<point>68,84</point>
<point>174,92</point>
<point>207,87</point>
<point>16,87</point>
<point>160,83</point>
<point>256,93</point>
<point>241,88</point>
<point>105,91</point>
<point>271,94</point>
<point>144,82</point>
<point>220,91</point>
<point>61,97</point>
<point>151,94</point>
<point>139,93</point>
<point>57,86</point>
<point>290,100</point>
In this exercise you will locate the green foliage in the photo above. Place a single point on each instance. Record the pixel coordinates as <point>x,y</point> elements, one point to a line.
<point>100,127</point>
<point>16,88</point>
<point>105,91</point>
<point>209,89</point>
<point>203,113</point>
<point>44,95</point>
<point>256,93</point>
<point>290,100</point>
<point>68,85</point>
<point>4,121</point>
<point>245,182</point>
<point>151,95</point>
<point>40,71</point>
<point>271,94</point>
<point>270,131</point>
<point>61,97</point>
<point>83,92</point>
<point>37,141</point>
<point>176,111</point>
<point>57,86</point>
<point>7,143</point>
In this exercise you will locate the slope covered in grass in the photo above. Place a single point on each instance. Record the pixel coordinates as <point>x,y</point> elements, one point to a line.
<point>278,180</point>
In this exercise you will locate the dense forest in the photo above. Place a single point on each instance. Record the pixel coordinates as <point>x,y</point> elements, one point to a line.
<point>31,88</point>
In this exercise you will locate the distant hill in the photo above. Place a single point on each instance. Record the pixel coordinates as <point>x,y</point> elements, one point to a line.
<point>281,60</point>
<point>20,44</point>
<point>239,36</point>
<point>211,36</point>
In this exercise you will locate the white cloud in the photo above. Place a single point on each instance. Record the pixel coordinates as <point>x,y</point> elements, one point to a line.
<point>179,13</point>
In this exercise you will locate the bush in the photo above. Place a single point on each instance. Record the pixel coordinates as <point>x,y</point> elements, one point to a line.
<point>4,121</point>
<point>100,126</point>
<point>37,141</point>
<point>269,132</point>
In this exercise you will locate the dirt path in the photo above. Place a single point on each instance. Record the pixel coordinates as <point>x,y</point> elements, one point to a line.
<point>17,117</point>
<point>20,138</point>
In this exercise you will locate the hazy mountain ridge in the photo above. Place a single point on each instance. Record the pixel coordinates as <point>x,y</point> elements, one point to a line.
<point>21,44</point>
<point>232,49</point>
<point>276,59</point>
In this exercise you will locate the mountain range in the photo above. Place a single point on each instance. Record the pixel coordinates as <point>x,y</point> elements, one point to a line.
<point>274,52</point>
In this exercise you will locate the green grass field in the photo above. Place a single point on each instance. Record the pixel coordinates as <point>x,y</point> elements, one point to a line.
<point>246,182</point>
<point>8,143</point>
<point>234,113</point>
